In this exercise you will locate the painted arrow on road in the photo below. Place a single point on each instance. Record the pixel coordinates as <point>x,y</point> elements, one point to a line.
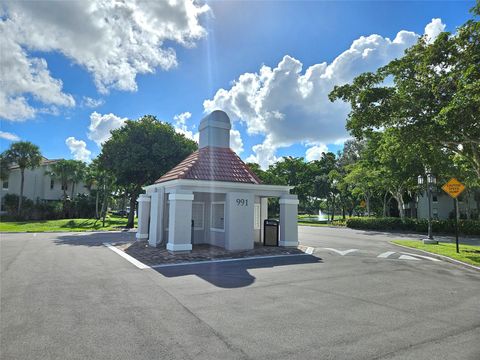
<point>342,252</point>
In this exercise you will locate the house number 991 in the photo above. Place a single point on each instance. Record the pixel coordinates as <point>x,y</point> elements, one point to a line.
<point>242,202</point>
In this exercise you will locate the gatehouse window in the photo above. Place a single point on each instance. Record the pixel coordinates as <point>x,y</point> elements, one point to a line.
<point>198,212</point>
<point>217,222</point>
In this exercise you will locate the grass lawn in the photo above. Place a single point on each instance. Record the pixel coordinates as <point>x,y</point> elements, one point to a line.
<point>111,223</point>
<point>468,253</point>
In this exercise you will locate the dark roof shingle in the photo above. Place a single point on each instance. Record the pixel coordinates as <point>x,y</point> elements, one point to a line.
<point>214,164</point>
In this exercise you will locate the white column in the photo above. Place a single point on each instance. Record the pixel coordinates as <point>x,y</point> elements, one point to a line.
<point>143,216</point>
<point>288,220</point>
<point>239,221</point>
<point>156,218</point>
<point>180,222</point>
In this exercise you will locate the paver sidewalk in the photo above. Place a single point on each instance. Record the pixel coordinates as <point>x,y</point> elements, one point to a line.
<point>148,255</point>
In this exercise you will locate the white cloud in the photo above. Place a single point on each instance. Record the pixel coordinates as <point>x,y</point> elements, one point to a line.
<point>113,40</point>
<point>101,125</point>
<point>433,29</point>
<point>290,105</point>
<point>78,148</point>
<point>236,143</point>
<point>24,76</point>
<point>91,102</point>
<point>315,152</point>
<point>263,154</point>
<point>180,125</point>
<point>9,136</point>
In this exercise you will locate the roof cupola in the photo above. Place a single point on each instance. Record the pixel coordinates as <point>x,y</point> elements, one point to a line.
<point>215,130</point>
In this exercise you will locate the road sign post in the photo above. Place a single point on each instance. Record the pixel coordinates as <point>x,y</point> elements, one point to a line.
<point>454,188</point>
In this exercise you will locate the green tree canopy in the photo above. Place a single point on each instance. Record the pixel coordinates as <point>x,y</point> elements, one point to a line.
<point>140,152</point>
<point>431,96</point>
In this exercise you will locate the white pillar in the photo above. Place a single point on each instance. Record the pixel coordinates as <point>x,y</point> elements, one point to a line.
<point>239,221</point>
<point>156,218</point>
<point>180,222</point>
<point>288,220</point>
<point>263,215</point>
<point>143,216</point>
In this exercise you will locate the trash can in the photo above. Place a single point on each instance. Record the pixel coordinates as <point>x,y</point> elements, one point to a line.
<point>270,232</point>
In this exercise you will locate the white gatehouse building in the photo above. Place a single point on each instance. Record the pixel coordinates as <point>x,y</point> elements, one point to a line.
<point>212,197</point>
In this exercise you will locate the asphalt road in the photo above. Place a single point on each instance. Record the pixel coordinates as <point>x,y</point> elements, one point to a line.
<point>66,296</point>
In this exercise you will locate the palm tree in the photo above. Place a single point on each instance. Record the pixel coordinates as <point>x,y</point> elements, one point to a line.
<point>78,174</point>
<point>64,170</point>
<point>27,156</point>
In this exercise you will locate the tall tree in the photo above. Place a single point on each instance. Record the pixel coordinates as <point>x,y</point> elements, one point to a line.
<point>65,171</point>
<point>430,96</point>
<point>140,152</point>
<point>27,156</point>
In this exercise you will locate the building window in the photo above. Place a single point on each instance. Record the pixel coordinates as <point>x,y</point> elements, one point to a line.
<point>5,185</point>
<point>435,213</point>
<point>434,198</point>
<point>198,211</point>
<point>256,216</point>
<point>52,184</point>
<point>65,187</point>
<point>217,222</point>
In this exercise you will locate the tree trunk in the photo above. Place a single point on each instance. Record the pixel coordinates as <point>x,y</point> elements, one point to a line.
<point>398,195</point>
<point>97,198</point>
<point>20,199</point>
<point>333,208</point>
<point>385,202</point>
<point>64,200</point>
<point>104,204</point>
<point>367,203</point>
<point>131,214</point>
<point>73,188</point>
<point>104,214</point>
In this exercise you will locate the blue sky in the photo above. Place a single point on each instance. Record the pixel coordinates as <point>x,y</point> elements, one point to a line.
<point>281,109</point>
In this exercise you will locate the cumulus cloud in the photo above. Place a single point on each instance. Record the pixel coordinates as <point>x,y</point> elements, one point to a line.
<point>180,125</point>
<point>236,142</point>
<point>91,102</point>
<point>9,136</point>
<point>433,29</point>
<point>113,40</point>
<point>315,152</point>
<point>78,148</point>
<point>24,76</point>
<point>101,125</point>
<point>290,105</point>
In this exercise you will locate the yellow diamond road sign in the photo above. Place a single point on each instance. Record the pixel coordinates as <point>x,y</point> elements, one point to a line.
<point>453,188</point>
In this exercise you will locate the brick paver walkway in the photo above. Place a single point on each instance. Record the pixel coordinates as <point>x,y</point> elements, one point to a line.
<point>148,255</point>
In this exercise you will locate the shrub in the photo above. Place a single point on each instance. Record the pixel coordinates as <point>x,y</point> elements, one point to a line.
<point>466,227</point>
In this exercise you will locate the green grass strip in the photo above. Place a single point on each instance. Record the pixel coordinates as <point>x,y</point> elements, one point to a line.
<point>468,253</point>
<point>111,223</point>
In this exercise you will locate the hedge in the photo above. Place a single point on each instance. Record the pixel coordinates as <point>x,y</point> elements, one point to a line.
<point>465,227</point>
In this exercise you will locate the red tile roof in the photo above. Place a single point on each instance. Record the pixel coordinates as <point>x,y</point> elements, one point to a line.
<point>212,163</point>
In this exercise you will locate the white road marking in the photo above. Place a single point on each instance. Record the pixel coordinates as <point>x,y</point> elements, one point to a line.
<point>407,257</point>
<point>386,254</point>
<point>342,252</point>
<point>309,250</point>
<point>422,256</point>
<point>127,257</point>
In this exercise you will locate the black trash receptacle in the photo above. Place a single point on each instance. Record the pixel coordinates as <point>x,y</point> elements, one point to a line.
<point>270,232</point>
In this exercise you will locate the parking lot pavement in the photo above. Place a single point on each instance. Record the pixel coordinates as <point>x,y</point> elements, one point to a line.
<point>69,297</point>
